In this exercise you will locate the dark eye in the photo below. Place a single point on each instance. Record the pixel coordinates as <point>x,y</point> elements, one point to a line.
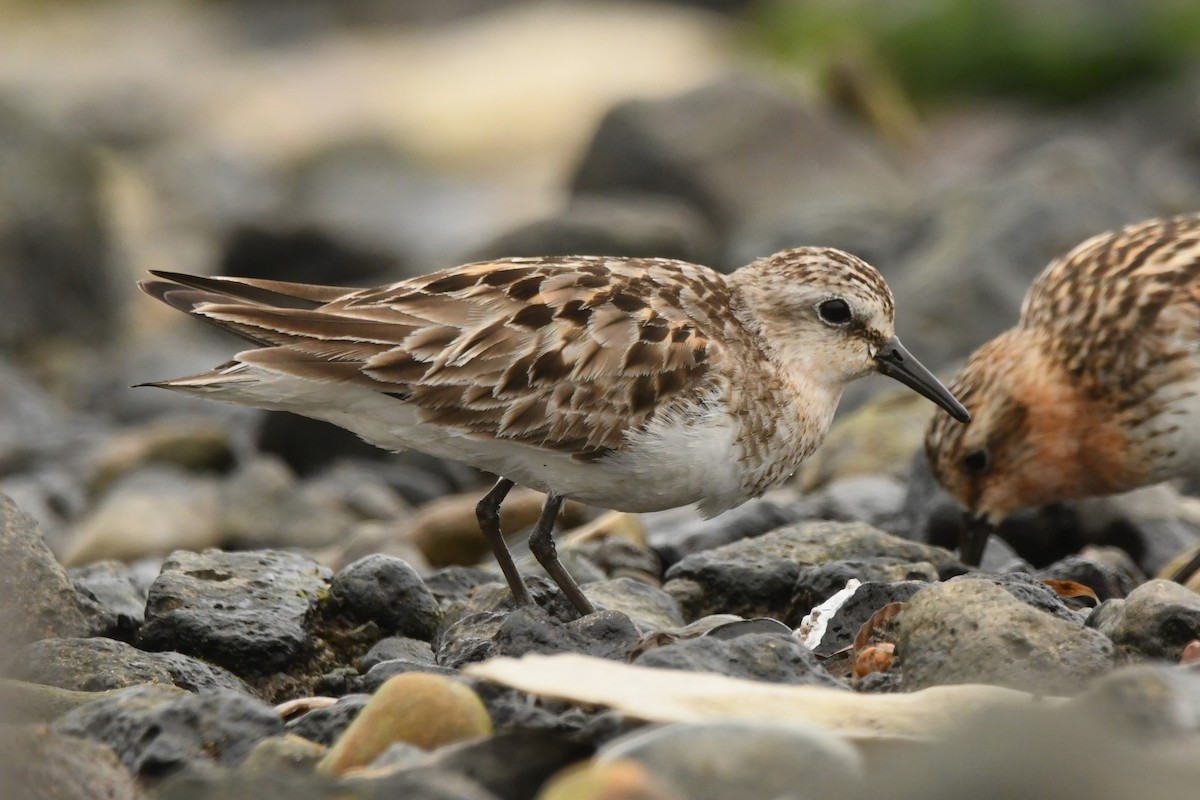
<point>835,312</point>
<point>976,462</point>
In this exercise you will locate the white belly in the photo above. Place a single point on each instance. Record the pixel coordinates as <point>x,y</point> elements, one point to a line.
<point>675,462</point>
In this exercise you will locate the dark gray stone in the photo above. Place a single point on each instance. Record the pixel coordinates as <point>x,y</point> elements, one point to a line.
<point>1155,621</point>
<point>770,657</point>
<point>605,634</point>
<point>117,588</point>
<point>245,611</point>
<point>455,583</point>
<point>155,730</point>
<point>973,631</point>
<point>678,533</point>
<point>746,627</point>
<point>469,638</point>
<point>818,583</point>
<point>97,664</point>
<point>57,280</point>
<point>1029,590</point>
<point>873,499</point>
<point>325,725</point>
<point>868,598</point>
<point>387,591</point>
<point>645,604</point>
<point>377,675</point>
<point>1103,578</point>
<point>36,764</point>
<point>756,577</point>
<point>735,150</point>
<point>37,600</point>
<point>394,647</point>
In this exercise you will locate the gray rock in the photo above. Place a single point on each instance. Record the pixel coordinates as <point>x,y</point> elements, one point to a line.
<point>394,647</point>
<point>23,703</point>
<point>735,758</point>
<point>756,577</point>
<point>377,675</point>
<point>1156,620</point>
<point>1029,590</point>
<point>818,583</point>
<point>746,627</point>
<point>52,492</point>
<point>88,665</point>
<point>1150,522</point>
<point>337,682</point>
<point>155,730</point>
<point>325,725</point>
<point>148,512</point>
<point>647,605</point>
<point>117,589</point>
<point>680,532</point>
<point>37,600</point>
<point>264,505</point>
<point>604,634</point>
<point>973,631</point>
<point>244,611</point>
<point>629,225</point>
<point>771,657</point>
<point>873,499</point>
<point>735,149</point>
<point>1102,577</point>
<point>455,583</point>
<point>388,592</point>
<point>469,638</point>
<point>36,764</point>
<point>97,664</point>
<point>868,598</point>
<point>57,280</point>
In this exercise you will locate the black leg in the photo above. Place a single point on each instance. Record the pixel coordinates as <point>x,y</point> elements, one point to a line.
<point>541,544</point>
<point>488,513</point>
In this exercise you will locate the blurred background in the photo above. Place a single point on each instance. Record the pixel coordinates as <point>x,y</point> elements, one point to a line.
<point>956,144</point>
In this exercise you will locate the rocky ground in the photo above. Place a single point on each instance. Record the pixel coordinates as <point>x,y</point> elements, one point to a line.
<point>204,602</point>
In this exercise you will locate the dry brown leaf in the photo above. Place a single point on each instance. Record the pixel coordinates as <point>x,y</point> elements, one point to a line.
<point>877,620</point>
<point>1073,590</point>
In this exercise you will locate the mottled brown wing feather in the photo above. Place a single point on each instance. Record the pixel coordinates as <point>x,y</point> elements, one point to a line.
<point>515,349</point>
<point>1112,290</point>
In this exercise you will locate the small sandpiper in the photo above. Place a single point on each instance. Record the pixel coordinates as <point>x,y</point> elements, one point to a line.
<point>635,384</point>
<point>1095,391</point>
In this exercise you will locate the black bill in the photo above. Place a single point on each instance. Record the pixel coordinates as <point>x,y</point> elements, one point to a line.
<point>972,539</point>
<point>896,362</point>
